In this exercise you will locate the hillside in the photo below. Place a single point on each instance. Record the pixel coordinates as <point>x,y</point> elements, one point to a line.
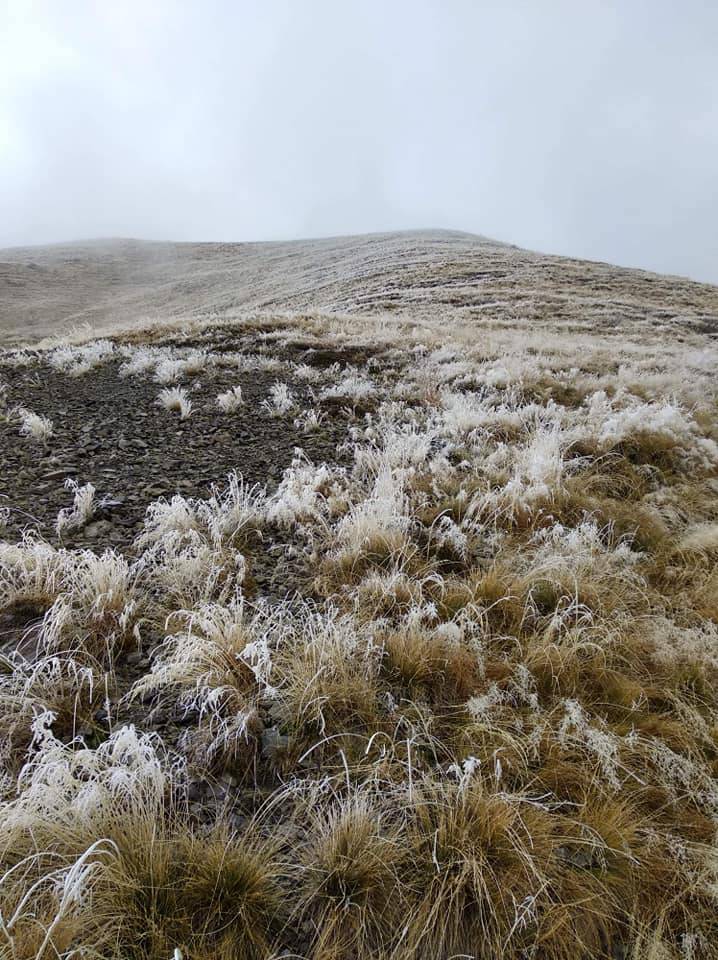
<point>46,290</point>
<point>358,601</point>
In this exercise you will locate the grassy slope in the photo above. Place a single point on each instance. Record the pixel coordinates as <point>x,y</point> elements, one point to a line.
<point>46,290</point>
<point>446,685</point>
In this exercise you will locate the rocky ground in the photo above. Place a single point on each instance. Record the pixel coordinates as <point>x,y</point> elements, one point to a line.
<point>110,431</point>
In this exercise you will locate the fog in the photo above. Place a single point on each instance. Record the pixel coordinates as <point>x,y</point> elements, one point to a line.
<point>582,128</point>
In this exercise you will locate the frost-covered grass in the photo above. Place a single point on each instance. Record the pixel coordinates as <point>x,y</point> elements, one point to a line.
<point>281,399</point>
<point>109,859</point>
<point>34,426</point>
<point>218,666</point>
<point>230,400</point>
<point>166,365</point>
<point>310,421</point>
<point>78,360</point>
<point>352,386</point>
<point>80,601</point>
<point>480,721</point>
<point>171,369</point>
<point>82,509</point>
<point>175,399</point>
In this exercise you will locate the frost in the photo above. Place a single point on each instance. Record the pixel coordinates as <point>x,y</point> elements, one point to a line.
<point>576,727</point>
<point>230,400</point>
<point>176,399</point>
<point>82,509</point>
<point>281,400</point>
<point>80,360</point>
<point>34,426</point>
<point>353,386</point>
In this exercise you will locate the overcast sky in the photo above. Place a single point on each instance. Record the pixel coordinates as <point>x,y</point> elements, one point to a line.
<point>585,127</point>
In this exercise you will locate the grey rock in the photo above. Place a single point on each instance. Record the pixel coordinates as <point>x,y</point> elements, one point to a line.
<point>273,741</point>
<point>579,857</point>
<point>60,473</point>
<point>237,821</point>
<point>115,505</point>
<point>154,490</point>
<point>98,528</point>
<point>276,710</point>
<point>196,790</point>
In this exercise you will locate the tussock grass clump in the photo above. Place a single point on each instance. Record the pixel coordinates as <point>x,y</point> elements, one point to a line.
<point>82,509</point>
<point>306,495</point>
<point>350,879</point>
<point>53,694</point>
<point>230,400</point>
<point>218,668</point>
<point>351,387</point>
<point>232,515</point>
<point>310,421</point>
<point>171,369</point>
<point>328,677</point>
<point>31,573</point>
<point>194,550</point>
<point>657,432</point>
<point>213,892</point>
<point>33,426</point>
<point>175,399</point>
<point>281,400</point>
<point>429,664</point>
<point>480,866</point>
<point>388,595</point>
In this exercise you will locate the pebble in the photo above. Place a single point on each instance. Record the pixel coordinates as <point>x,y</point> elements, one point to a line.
<point>196,789</point>
<point>154,490</point>
<point>60,473</point>
<point>102,717</point>
<point>575,857</point>
<point>272,741</point>
<point>276,710</point>
<point>98,528</point>
<point>237,821</point>
<point>108,505</point>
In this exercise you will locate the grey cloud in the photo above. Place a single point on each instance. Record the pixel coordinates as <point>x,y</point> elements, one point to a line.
<point>588,129</point>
